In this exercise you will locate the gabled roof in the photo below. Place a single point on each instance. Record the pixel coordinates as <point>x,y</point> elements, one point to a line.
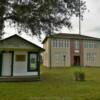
<point>70,36</point>
<point>15,35</point>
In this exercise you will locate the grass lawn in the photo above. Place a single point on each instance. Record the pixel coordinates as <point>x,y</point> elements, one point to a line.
<point>55,84</point>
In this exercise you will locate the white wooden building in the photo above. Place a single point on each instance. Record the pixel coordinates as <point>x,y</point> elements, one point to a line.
<point>19,57</point>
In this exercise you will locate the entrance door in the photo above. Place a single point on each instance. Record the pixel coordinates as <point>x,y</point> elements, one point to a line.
<point>6,66</point>
<point>76,60</point>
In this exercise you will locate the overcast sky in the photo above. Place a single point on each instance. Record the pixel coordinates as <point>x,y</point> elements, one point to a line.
<point>90,24</point>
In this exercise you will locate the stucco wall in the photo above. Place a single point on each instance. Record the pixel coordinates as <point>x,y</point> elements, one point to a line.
<point>46,55</point>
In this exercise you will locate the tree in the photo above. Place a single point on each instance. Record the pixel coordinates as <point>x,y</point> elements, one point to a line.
<point>39,16</point>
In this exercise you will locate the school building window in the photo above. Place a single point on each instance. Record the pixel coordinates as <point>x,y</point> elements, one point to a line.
<point>90,44</point>
<point>60,43</point>
<point>91,57</point>
<point>77,44</point>
<point>60,58</point>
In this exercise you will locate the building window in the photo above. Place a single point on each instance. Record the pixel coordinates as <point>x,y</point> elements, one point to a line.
<point>32,61</point>
<point>57,45</point>
<point>91,57</point>
<point>54,43</point>
<point>60,43</point>
<point>77,44</point>
<point>90,44</point>
<point>20,58</point>
<point>60,58</point>
<point>56,58</point>
<point>66,42</point>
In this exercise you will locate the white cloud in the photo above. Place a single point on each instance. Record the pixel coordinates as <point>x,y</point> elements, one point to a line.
<point>90,24</point>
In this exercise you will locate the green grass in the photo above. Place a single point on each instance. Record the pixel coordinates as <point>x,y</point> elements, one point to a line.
<point>55,84</point>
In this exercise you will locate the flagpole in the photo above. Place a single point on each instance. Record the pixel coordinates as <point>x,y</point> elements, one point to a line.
<point>80,28</point>
<point>79,18</point>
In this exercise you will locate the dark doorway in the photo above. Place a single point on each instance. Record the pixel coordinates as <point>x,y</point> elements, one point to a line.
<point>76,60</point>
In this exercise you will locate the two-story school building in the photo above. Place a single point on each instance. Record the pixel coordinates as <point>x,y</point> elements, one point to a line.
<point>64,50</point>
